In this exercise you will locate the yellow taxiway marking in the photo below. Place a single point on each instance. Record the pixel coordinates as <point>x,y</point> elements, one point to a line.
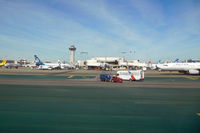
<point>192,78</point>
<point>71,76</point>
<point>198,114</point>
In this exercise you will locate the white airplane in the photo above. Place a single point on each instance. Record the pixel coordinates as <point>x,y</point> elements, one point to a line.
<point>65,65</point>
<point>12,65</point>
<point>50,66</point>
<point>186,68</point>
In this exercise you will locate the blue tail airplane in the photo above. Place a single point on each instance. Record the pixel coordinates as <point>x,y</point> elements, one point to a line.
<point>51,66</point>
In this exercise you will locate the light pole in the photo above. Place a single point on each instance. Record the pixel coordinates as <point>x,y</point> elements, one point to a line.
<point>84,53</point>
<point>123,53</point>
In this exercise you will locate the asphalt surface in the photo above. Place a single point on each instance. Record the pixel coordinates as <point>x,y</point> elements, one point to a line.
<point>58,101</point>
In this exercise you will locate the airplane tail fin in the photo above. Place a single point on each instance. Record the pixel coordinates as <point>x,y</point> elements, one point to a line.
<point>177,60</point>
<point>3,62</point>
<point>59,62</point>
<point>37,61</point>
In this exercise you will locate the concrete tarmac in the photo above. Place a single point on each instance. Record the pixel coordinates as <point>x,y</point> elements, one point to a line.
<point>38,101</point>
<point>96,81</point>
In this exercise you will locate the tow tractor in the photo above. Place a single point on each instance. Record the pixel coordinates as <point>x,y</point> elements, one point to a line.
<point>116,79</point>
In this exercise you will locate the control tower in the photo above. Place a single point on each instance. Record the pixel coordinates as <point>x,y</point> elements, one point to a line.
<point>72,49</point>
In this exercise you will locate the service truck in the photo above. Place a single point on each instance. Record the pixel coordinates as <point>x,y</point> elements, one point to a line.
<point>131,75</point>
<point>105,77</point>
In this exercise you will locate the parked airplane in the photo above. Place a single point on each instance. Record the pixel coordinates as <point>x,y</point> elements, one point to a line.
<point>31,65</point>
<point>12,65</point>
<point>154,66</point>
<point>186,68</point>
<point>65,65</point>
<point>3,63</point>
<point>51,66</point>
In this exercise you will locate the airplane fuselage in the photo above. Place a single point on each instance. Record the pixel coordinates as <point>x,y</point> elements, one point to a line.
<point>191,68</point>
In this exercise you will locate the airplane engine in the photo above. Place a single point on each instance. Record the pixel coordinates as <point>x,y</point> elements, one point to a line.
<point>193,71</point>
<point>182,72</point>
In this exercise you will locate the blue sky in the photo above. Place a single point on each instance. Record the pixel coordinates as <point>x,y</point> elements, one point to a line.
<point>144,29</point>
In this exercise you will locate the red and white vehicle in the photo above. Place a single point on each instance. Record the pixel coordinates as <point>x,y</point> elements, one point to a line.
<point>131,75</point>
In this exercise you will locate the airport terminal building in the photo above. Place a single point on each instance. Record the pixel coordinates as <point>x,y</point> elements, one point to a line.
<point>110,63</point>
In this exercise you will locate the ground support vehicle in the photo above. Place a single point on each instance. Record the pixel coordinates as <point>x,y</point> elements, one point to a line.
<point>105,77</point>
<point>133,75</point>
<point>116,79</point>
